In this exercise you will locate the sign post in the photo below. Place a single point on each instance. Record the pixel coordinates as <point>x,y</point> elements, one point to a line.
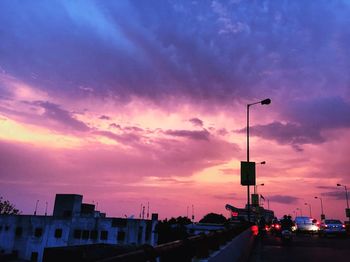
<point>247,173</point>
<point>255,200</point>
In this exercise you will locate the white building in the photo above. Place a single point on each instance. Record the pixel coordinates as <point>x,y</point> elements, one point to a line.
<point>72,223</point>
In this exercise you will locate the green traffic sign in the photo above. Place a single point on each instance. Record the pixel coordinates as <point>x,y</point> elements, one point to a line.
<point>247,173</point>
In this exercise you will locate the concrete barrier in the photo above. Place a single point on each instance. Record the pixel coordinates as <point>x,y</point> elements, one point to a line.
<point>205,247</point>
<point>239,249</point>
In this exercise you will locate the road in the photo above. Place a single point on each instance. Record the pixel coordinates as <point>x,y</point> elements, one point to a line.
<point>302,248</point>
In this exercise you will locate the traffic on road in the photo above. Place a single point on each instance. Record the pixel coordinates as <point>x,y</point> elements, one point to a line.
<point>302,239</point>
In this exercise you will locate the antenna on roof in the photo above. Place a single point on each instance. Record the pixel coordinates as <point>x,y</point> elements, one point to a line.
<point>192,213</point>
<point>140,211</point>
<point>46,208</point>
<point>147,210</point>
<point>36,207</point>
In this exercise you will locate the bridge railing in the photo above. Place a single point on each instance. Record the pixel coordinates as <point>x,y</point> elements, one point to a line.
<point>194,247</point>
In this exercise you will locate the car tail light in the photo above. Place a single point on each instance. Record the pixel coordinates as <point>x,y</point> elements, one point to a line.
<point>343,226</point>
<point>277,226</point>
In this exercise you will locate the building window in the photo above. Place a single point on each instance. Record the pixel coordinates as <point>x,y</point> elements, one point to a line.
<point>58,233</point>
<point>85,234</point>
<point>77,234</point>
<point>121,236</point>
<point>104,235</point>
<point>19,231</point>
<point>93,234</point>
<point>38,232</point>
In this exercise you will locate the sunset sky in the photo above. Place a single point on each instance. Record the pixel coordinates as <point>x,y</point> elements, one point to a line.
<point>129,102</point>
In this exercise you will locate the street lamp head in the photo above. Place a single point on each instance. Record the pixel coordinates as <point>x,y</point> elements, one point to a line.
<point>339,185</point>
<point>266,101</point>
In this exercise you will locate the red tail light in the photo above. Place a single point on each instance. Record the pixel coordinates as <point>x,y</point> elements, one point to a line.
<point>343,225</point>
<point>277,226</point>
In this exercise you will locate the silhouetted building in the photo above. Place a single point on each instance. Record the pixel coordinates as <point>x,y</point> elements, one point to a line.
<point>255,213</point>
<point>73,223</point>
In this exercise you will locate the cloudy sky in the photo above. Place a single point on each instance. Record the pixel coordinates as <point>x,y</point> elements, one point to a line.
<point>129,102</point>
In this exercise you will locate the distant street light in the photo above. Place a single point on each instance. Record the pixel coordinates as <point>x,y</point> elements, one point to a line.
<point>347,201</point>
<point>307,204</point>
<point>262,102</point>
<point>256,186</point>
<point>301,212</point>
<point>322,214</point>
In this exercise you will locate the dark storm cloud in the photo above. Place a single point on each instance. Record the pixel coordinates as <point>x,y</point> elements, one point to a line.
<point>308,120</point>
<point>334,194</point>
<point>320,113</point>
<point>289,133</point>
<point>284,199</point>
<point>201,50</point>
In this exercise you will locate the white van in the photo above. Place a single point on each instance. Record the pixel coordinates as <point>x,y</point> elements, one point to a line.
<point>305,224</point>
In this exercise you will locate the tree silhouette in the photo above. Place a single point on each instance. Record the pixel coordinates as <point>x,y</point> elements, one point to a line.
<point>6,208</point>
<point>213,218</point>
<point>172,229</point>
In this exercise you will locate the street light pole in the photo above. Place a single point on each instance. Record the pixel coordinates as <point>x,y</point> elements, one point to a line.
<point>301,212</point>
<point>322,214</point>
<point>346,194</point>
<point>263,102</point>
<point>256,186</point>
<point>308,204</point>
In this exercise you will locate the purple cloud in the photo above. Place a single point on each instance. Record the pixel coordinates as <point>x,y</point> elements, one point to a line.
<point>196,122</point>
<point>210,55</point>
<point>284,199</point>
<point>114,125</point>
<point>308,120</point>
<point>339,195</point>
<point>103,117</point>
<point>196,135</point>
<point>288,133</point>
<point>61,116</point>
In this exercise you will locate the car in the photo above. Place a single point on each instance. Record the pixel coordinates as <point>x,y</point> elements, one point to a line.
<point>275,228</point>
<point>332,227</point>
<point>306,225</point>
